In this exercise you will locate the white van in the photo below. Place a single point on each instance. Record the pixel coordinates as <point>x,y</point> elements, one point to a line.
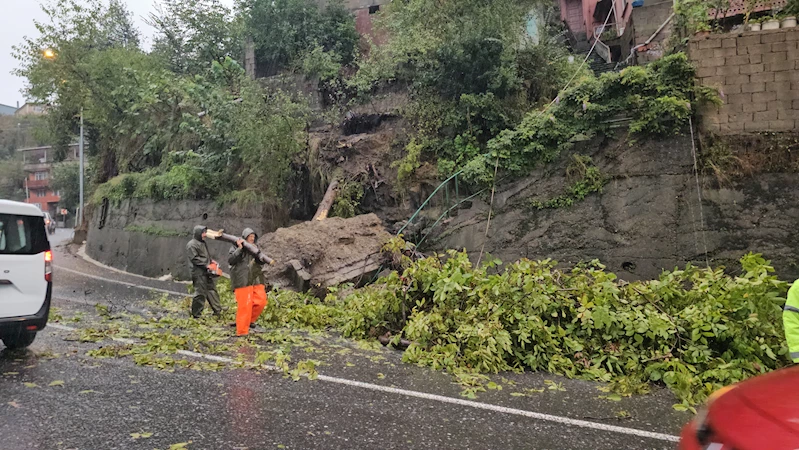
<point>26,271</point>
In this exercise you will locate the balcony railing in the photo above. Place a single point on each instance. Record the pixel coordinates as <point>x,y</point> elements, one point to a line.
<point>739,7</point>
<point>36,184</point>
<point>38,167</point>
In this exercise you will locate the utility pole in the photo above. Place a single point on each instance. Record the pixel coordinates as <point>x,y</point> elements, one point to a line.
<point>80,150</point>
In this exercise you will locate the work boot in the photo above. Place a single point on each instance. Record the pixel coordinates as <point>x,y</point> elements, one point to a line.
<point>256,328</point>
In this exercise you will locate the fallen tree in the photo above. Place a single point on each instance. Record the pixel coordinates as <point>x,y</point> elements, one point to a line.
<point>694,330</point>
<point>327,202</point>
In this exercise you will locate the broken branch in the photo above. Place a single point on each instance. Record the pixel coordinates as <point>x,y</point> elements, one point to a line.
<point>250,248</point>
<point>327,202</point>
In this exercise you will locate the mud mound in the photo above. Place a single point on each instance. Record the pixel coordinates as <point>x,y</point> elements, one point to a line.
<point>319,254</point>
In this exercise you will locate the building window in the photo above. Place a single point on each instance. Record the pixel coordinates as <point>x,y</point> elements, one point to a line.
<point>40,193</point>
<point>41,175</point>
<point>58,193</point>
<point>38,205</point>
<point>374,9</point>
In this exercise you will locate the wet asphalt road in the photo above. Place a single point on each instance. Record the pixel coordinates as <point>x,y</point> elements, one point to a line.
<point>103,403</point>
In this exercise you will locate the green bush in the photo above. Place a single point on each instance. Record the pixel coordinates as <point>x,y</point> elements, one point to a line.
<point>348,200</point>
<point>590,180</point>
<point>178,182</point>
<point>657,99</point>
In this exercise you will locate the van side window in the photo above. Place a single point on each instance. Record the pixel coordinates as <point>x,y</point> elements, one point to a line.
<point>22,235</point>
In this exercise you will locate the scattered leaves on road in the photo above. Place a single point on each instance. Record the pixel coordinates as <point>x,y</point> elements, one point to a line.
<point>14,404</point>
<point>56,383</point>
<point>142,435</point>
<point>553,386</point>
<point>31,385</point>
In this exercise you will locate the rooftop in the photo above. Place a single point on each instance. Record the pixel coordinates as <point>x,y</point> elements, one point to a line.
<point>45,147</point>
<point>7,110</point>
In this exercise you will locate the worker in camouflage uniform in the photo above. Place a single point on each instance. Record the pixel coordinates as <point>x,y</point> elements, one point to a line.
<point>202,278</point>
<point>790,320</point>
<point>247,282</point>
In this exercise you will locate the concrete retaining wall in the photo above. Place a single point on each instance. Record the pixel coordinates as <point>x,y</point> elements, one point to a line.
<point>647,219</point>
<point>148,252</point>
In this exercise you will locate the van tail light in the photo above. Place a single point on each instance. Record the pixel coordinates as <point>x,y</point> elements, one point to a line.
<point>48,265</point>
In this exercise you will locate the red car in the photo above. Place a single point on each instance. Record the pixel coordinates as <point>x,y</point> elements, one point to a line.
<point>759,413</point>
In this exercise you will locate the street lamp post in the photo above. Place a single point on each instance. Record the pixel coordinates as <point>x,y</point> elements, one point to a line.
<point>80,151</point>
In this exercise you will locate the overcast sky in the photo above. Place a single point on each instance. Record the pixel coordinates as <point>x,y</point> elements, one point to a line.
<point>16,21</point>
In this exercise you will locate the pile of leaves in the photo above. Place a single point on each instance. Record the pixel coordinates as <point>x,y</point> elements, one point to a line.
<point>692,330</point>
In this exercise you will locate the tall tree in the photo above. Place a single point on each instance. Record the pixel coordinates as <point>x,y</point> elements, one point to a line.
<point>193,33</point>
<point>61,65</point>
<point>66,179</point>
<point>285,30</point>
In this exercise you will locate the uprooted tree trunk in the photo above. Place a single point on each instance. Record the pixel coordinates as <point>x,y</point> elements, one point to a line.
<point>327,202</point>
<point>318,254</point>
<point>250,248</point>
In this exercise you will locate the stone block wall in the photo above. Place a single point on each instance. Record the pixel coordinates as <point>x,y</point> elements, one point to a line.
<point>758,76</point>
<point>646,20</point>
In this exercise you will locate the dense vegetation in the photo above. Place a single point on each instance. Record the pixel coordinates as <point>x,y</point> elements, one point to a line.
<point>693,330</point>
<point>183,120</point>
<point>470,70</point>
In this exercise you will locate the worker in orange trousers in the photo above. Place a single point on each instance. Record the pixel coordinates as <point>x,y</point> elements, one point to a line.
<point>248,284</point>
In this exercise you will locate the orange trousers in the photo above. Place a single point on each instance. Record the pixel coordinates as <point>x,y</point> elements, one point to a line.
<point>251,302</point>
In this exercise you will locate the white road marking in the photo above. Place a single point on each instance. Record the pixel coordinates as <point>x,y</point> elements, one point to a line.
<point>444,399</point>
<point>58,326</point>
<point>124,283</point>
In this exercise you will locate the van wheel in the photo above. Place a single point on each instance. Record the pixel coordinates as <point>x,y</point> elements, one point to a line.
<point>19,340</point>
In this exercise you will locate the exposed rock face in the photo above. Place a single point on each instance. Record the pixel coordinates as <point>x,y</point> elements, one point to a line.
<point>647,219</point>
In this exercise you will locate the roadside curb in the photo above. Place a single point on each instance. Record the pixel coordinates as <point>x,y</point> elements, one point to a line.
<point>82,253</point>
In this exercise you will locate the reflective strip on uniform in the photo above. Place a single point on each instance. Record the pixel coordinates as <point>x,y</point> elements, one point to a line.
<point>794,355</point>
<point>791,308</point>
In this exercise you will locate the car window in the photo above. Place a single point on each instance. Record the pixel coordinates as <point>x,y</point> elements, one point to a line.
<point>22,235</point>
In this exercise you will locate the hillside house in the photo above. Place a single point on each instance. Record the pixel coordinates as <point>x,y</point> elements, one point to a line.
<point>38,163</point>
<point>585,21</point>
<point>6,110</point>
